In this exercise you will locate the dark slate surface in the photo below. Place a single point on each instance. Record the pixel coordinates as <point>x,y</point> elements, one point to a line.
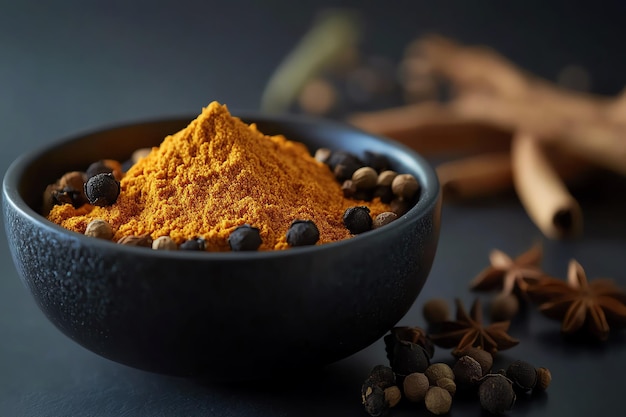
<point>69,66</point>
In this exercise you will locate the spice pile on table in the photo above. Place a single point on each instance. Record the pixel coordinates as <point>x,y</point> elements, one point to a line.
<point>220,184</point>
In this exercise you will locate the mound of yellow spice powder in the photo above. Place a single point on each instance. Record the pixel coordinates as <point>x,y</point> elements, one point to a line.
<point>216,174</point>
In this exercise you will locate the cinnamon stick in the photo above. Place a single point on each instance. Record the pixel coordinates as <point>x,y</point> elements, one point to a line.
<point>475,176</point>
<point>542,192</point>
<point>432,128</point>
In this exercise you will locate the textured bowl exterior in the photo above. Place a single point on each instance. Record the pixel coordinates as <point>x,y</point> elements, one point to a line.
<point>219,315</point>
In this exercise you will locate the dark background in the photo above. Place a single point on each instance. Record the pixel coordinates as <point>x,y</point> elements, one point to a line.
<point>71,66</point>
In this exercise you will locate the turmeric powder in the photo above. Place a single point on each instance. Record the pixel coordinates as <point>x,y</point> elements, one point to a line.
<point>216,174</point>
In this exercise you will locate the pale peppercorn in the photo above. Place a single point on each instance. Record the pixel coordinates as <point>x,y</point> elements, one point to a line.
<point>405,186</point>
<point>392,396</point>
<point>437,371</point>
<point>415,386</point>
<point>438,401</point>
<point>436,311</point>
<point>384,219</point>
<point>164,243</point>
<point>385,178</point>
<point>504,307</point>
<point>447,384</point>
<point>141,240</point>
<point>100,229</point>
<point>364,178</point>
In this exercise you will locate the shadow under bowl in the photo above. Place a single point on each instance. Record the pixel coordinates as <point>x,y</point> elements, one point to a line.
<point>220,316</point>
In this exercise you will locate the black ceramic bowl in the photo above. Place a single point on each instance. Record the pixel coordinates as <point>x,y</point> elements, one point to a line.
<point>219,315</point>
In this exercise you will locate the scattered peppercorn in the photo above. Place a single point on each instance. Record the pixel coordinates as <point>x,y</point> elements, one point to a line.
<point>382,376</point>
<point>408,334</point>
<point>245,238</point>
<point>405,186</point>
<point>544,377</point>
<point>522,374</point>
<point>496,394</point>
<point>141,240</point>
<point>164,243</point>
<point>102,190</point>
<point>98,167</point>
<point>343,158</point>
<point>100,229</point>
<point>408,358</point>
<point>484,358</point>
<point>302,233</point>
<point>376,160</point>
<point>357,219</point>
<point>438,401</point>
<point>467,371</point>
<point>415,386</point>
<point>374,401</point>
<point>385,178</point>
<point>105,166</point>
<point>436,311</point>
<point>437,371</point>
<point>194,244</point>
<point>504,307</point>
<point>447,384</point>
<point>364,178</point>
<point>74,179</point>
<point>393,395</point>
<point>384,219</point>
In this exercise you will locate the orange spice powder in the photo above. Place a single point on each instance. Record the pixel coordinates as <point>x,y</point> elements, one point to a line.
<point>215,175</point>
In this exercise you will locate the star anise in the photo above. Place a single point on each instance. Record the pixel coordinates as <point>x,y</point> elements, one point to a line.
<point>579,304</point>
<point>508,274</point>
<point>468,330</point>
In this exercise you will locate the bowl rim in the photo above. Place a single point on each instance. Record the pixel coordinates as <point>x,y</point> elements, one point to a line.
<point>429,199</point>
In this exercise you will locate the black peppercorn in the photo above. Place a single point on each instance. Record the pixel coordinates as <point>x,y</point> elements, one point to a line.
<point>244,238</point>
<point>496,394</point>
<point>357,219</point>
<point>102,190</point>
<point>467,371</point>
<point>193,244</point>
<point>374,401</point>
<point>383,376</point>
<point>413,334</point>
<point>523,375</point>
<point>376,160</point>
<point>96,168</point>
<point>409,358</point>
<point>344,158</point>
<point>302,233</point>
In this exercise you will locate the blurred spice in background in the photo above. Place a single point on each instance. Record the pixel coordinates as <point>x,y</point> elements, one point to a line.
<point>489,126</point>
